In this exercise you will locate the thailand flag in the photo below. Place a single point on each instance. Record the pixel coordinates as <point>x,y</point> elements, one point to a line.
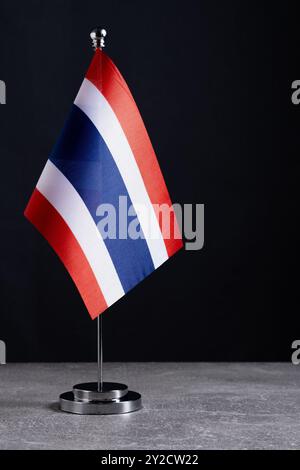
<point>103,154</point>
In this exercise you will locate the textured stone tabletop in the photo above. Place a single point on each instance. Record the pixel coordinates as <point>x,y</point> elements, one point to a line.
<point>186,406</point>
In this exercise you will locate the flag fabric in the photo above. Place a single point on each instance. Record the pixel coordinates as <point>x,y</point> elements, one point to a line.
<point>102,154</point>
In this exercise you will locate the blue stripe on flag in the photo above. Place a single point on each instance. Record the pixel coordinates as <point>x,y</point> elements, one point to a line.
<point>84,158</point>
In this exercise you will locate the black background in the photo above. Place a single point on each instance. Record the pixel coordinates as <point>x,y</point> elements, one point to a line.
<point>212,80</point>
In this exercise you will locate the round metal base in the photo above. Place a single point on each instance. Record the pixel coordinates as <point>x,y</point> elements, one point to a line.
<point>89,391</point>
<point>130,402</point>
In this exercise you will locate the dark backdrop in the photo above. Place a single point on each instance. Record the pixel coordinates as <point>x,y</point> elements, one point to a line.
<point>212,80</point>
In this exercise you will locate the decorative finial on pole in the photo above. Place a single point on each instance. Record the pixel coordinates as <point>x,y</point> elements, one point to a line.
<point>97,36</point>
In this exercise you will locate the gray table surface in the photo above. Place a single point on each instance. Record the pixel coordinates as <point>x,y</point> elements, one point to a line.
<point>186,406</point>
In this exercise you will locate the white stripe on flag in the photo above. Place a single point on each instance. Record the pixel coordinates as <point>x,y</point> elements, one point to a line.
<point>91,101</point>
<point>64,197</point>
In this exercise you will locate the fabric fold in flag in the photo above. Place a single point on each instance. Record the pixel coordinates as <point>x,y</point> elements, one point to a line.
<point>103,154</point>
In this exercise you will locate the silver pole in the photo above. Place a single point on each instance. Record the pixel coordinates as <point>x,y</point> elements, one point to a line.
<point>98,35</point>
<point>99,354</point>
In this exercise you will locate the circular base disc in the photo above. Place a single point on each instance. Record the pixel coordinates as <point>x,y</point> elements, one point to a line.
<point>132,401</point>
<point>89,391</point>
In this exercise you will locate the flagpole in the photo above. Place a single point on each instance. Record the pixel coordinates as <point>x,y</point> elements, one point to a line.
<point>99,354</point>
<point>98,35</point>
<point>100,398</point>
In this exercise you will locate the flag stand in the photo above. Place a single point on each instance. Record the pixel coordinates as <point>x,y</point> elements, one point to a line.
<point>100,397</point>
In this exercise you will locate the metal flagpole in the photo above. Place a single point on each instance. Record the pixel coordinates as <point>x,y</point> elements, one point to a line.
<point>99,354</point>
<point>97,36</point>
<point>100,397</point>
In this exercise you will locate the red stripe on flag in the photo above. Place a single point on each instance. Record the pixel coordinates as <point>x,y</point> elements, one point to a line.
<point>53,227</point>
<point>106,77</point>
